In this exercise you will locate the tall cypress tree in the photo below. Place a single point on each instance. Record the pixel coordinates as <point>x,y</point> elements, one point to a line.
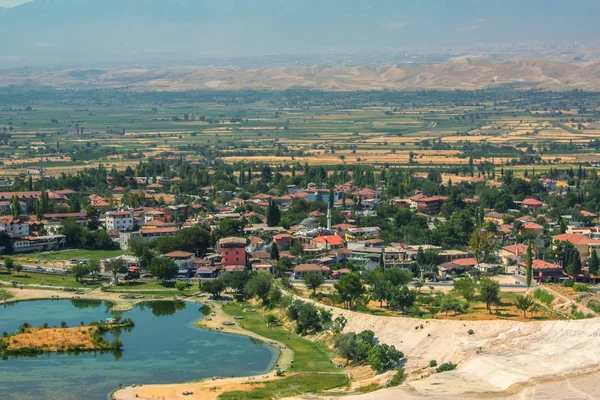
<point>275,251</point>
<point>273,214</point>
<point>574,268</point>
<point>529,264</point>
<point>331,198</point>
<point>15,207</point>
<point>594,263</point>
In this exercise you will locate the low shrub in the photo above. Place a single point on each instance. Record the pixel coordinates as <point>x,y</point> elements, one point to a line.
<point>580,287</point>
<point>471,332</point>
<point>594,306</point>
<point>577,314</point>
<point>567,283</point>
<point>446,367</point>
<point>543,296</point>
<point>432,364</point>
<point>398,377</point>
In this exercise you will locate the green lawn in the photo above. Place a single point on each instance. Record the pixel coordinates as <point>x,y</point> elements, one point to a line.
<point>311,359</point>
<point>290,386</point>
<point>78,254</point>
<point>32,278</point>
<point>308,356</point>
<point>152,289</point>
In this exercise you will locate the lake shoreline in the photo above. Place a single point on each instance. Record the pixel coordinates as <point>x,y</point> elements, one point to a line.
<point>211,388</point>
<point>208,387</point>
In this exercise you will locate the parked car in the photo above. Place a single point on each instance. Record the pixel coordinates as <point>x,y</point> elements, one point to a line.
<point>38,268</point>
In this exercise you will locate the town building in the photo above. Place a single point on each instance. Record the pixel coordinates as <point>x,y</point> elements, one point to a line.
<point>18,226</point>
<point>183,259</point>
<point>327,242</point>
<point>396,257</point>
<point>302,269</point>
<point>431,205</point>
<point>233,251</point>
<point>121,221</point>
<point>583,244</point>
<point>145,235</point>
<point>531,204</point>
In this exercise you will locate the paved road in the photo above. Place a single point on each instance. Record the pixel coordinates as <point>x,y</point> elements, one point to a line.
<point>327,282</point>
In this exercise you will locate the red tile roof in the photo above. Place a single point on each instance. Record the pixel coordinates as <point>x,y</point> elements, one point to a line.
<point>575,239</point>
<point>332,240</point>
<point>464,262</point>
<point>517,249</point>
<point>282,236</point>
<point>155,222</point>
<point>65,215</point>
<point>307,268</point>
<point>532,202</point>
<point>179,254</point>
<point>541,264</point>
<point>532,225</point>
<point>159,230</point>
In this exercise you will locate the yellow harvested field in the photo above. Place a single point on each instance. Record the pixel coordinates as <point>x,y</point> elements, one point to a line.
<point>30,160</point>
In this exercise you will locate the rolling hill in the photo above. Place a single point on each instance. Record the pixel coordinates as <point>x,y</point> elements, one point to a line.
<point>457,74</point>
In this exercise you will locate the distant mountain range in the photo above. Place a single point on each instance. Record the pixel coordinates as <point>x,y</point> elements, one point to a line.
<point>458,74</point>
<point>62,33</point>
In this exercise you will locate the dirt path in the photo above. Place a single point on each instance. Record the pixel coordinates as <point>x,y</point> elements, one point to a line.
<point>567,303</point>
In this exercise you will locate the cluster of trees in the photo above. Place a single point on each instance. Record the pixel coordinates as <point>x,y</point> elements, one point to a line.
<point>571,259</point>
<point>486,290</point>
<point>10,264</point>
<point>89,269</point>
<point>162,268</point>
<point>78,236</point>
<point>390,286</point>
<point>245,284</point>
<point>195,240</point>
<point>308,317</point>
<point>363,348</point>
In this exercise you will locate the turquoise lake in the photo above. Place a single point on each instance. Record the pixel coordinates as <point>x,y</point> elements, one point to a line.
<point>163,347</point>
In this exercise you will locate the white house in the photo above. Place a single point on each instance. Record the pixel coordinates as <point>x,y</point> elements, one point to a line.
<point>121,221</point>
<point>12,225</point>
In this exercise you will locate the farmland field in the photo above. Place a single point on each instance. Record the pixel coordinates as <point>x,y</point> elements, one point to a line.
<point>54,132</point>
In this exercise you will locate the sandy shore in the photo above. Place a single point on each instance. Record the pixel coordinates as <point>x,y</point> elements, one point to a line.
<point>88,294</point>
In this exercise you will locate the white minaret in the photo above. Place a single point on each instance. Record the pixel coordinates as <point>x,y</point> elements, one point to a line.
<point>329,217</point>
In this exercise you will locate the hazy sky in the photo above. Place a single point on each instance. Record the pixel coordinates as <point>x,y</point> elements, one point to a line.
<point>59,32</point>
<point>12,3</point>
